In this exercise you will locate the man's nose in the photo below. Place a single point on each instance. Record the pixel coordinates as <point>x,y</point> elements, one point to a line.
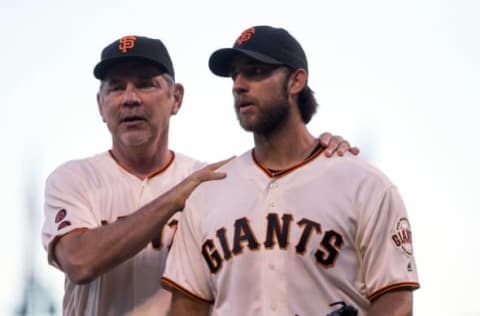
<point>131,95</point>
<point>239,83</point>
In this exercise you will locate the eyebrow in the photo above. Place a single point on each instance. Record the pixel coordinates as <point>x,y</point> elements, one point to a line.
<point>111,81</point>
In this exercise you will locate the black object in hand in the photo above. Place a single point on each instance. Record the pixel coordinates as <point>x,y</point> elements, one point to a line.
<point>345,310</point>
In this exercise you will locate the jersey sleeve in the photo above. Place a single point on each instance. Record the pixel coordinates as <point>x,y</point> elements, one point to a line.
<point>67,207</point>
<point>385,244</point>
<point>186,269</point>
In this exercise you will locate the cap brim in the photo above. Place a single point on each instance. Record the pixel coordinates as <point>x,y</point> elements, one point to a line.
<point>102,67</point>
<point>220,62</point>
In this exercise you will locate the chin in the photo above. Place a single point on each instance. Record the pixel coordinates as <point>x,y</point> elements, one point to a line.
<point>246,124</point>
<point>135,139</point>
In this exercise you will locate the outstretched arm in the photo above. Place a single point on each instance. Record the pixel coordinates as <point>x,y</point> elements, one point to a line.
<point>85,254</point>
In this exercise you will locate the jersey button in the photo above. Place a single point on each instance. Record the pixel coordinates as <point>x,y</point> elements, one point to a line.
<point>271,266</point>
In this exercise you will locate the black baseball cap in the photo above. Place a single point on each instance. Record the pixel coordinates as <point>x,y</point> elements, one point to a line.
<point>266,44</point>
<point>134,48</point>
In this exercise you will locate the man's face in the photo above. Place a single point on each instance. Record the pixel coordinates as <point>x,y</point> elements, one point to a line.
<point>260,95</point>
<point>135,101</point>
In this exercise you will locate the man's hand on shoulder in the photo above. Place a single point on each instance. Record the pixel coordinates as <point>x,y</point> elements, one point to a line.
<point>336,144</point>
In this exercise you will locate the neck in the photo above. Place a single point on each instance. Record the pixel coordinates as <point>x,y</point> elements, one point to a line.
<point>142,161</point>
<point>285,148</point>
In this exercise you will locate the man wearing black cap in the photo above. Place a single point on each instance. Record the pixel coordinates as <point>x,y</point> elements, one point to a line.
<point>110,218</point>
<point>288,232</point>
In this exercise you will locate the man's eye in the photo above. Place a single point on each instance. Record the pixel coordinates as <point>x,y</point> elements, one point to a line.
<point>255,71</point>
<point>145,84</point>
<point>114,88</point>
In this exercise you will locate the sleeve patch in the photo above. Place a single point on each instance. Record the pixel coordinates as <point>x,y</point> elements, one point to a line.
<point>61,214</point>
<point>402,236</point>
<point>63,224</point>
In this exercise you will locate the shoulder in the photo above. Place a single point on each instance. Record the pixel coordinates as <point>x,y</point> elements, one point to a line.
<point>179,168</point>
<point>354,169</point>
<point>240,163</point>
<point>238,170</point>
<point>185,161</point>
<point>78,169</point>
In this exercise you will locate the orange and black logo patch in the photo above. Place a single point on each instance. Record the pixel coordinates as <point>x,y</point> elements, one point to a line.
<point>60,215</point>
<point>245,36</point>
<point>126,42</point>
<point>64,224</point>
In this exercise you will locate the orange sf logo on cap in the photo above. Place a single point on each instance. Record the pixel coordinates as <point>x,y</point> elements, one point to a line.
<point>245,36</point>
<point>126,43</point>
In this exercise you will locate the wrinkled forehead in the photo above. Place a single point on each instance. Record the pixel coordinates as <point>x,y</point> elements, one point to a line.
<point>132,70</point>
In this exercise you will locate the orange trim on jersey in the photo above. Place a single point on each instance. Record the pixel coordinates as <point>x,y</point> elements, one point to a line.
<point>397,286</point>
<point>169,285</point>
<point>160,170</point>
<point>279,173</point>
<point>151,174</point>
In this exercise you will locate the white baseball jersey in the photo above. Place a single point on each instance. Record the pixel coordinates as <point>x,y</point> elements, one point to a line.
<point>329,230</point>
<point>89,193</point>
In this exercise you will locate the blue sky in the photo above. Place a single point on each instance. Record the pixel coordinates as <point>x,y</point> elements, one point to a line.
<point>400,79</point>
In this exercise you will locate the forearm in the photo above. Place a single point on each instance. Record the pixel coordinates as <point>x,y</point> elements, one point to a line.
<point>393,303</point>
<point>84,255</point>
<point>183,305</point>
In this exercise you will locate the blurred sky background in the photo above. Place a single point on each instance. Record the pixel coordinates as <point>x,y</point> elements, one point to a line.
<point>399,79</point>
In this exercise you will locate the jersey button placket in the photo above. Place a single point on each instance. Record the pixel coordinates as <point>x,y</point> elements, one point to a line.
<point>272,190</point>
<point>144,196</point>
<point>145,193</point>
<point>274,270</point>
<point>270,272</point>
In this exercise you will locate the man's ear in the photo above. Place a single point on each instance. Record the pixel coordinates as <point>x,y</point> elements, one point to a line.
<point>178,91</point>
<point>99,106</point>
<point>297,81</point>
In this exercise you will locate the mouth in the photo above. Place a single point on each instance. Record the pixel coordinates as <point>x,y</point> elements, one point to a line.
<point>132,119</point>
<point>244,106</point>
